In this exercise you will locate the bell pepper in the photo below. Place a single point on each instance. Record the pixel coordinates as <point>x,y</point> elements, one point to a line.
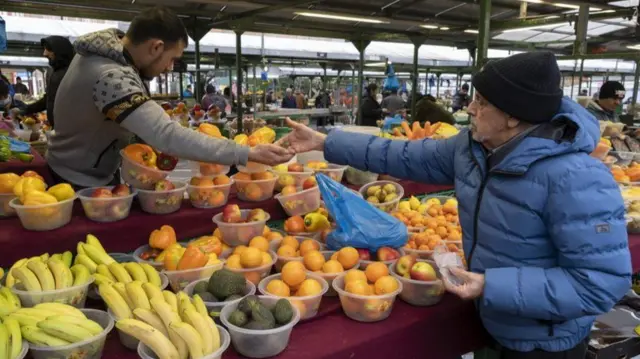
<point>173,257</point>
<point>212,259</point>
<point>26,185</point>
<point>315,222</point>
<point>209,129</point>
<point>8,181</point>
<point>162,238</point>
<point>192,258</point>
<point>62,191</point>
<point>241,139</point>
<point>38,198</point>
<point>141,154</point>
<point>163,254</point>
<point>208,244</point>
<point>265,134</point>
<point>166,162</point>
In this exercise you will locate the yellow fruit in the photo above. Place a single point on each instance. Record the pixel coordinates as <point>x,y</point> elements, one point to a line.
<point>251,258</point>
<point>293,273</point>
<point>308,245</point>
<point>233,262</point>
<point>348,257</point>
<point>332,266</point>
<point>8,181</point>
<point>62,191</point>
<point>309,287</point>
<point>290,241</point>
<point>239,249</point>
<point>286,251</point>
<point>376,270</point>
<point>313,260</point>
<point>278,288</point>
<point>385,285</point>
<point>260,243</point>
<point>355,275</point>
<point>266,258</point>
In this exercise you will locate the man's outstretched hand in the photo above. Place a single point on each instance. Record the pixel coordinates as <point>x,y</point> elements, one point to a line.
<point>270,154</point>
<point>302,138</point>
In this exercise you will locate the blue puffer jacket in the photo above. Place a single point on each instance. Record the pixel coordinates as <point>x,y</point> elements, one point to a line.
<point>543,221</point>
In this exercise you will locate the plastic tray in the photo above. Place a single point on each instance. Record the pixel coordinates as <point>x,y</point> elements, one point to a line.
<point>255,275</point>
<point>105,209</point>
<point>146,353</point>
<point>300,203</point>
<point>86,349</point>
<point>292,178</point>
<point>281,261</point>
<point>5,209</point>
<point>370,308</point>
<point>209,170</point>
<point>259,343</point>
<point>139,176</point>
<point>255,191</point>
<point>44,217</point>
<point>179,279</point>
<point>235,234</point>
<point>307,306</point>
<point>386,206</point>
<point>74,296</point>
<point>335,172</point>
<point>203,196</point>
<point>162,202</point>
<point>420,293</point>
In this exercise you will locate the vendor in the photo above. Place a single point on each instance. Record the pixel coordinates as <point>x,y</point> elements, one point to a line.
<point>610,96</point>
<point>371,110</point>
<point>103,101</point>
<point>545,236</point>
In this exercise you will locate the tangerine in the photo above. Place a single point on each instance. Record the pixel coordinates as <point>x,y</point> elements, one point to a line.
<point>286,251</point>
<point>290,241</point>
<point>251,258</point>
<point>260,243</point>
<point>385,285</point>
<point>266,258</point>
<point>272,236</point>
<point>354,275</point>
<point>332,266</point>
<point>217,198</point>
<point>293,273</point>
<point>442,232</point>
<point>241,176</point>
<point>348,257</point>
<point>376,270</point>
<point>233,262</point>
<point>308,245</point>
<point>313,260</point>
<point>278,288</point>
<point>262,176</point>
<point>309,287</point>
<point>359,287</point>
<point>266,231</point>
<point>334,256</point>
<point>221,180</point>
<point>253,277</point>
<point>253,192</point>
<point>294,224</point>
<point>239,249</point>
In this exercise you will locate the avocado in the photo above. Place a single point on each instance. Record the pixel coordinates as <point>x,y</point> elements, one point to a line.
<point>246,304</point>
<point>224,283</point>
<point>260,313</point>
<point>283,312</point>
<point>201,287</point>
<point>208,297</point>
<point>257,325</point>
<point>233,297</point>
<point>238,318</point>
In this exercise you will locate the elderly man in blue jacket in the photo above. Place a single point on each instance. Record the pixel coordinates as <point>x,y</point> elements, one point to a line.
<point>544,229</point>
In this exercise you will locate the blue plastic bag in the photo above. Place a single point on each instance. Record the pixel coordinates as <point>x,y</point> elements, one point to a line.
<point>17,146</point>
<point>390,122</point>
<point>359,224</point>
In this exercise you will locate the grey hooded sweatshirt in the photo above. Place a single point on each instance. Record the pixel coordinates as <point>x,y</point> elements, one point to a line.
<point>601,114</point>
<point>102,102</point>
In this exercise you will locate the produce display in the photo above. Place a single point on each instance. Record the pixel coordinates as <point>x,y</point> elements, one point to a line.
<point>9,189</point>
<point>335,172</point>
<point>253,261</point>
<point>206,192</point>
<point>238,226</point>
<point>143,167</point>
<point>180,113</point>
<point>437,217</point>
<point>107,204</point>
<point>252,314</point>
<point>438,130</point>
<point>255,187</point>
<point>223,286</point>
<point>6,154</point>
<point>384,255</point>
<point>293,174</point>
<point>383,194</point>
<point>631,197</point>
<point>421,283</point>
<point>293,249</point>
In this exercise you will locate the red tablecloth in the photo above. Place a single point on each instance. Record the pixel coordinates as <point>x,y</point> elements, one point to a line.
<point>38,165</point>
<point>634,248</point>
<point>132,232</point>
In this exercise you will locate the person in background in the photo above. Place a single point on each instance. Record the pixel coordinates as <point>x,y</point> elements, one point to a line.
<point>392,104</point>
<point>461,99</point>
<point>610,96</point>
<point>188,92</point>
<point>428,110</point>
<point>230,97</point>
<point>584,92</point>
<point>543,222</point>
<point>289,101</point>
<point>12,91</point>
<point>20,87</point>
<point>301,100</point>
<point>7,104</point>
<point>212,98</point>
<point>371,110</point>
<point>323,100</point>
<point>269,99</point>
<point>103,102</point>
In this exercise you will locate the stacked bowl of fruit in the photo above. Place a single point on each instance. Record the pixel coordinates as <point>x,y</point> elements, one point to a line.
<point>107,204</point>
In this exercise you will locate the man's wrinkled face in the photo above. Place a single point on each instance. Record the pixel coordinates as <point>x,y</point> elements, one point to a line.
<point>610,104</point>
<point>488,123</point>
<point>159,57</point>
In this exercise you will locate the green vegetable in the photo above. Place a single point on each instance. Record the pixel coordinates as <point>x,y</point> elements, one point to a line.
<point>225,283</point>
<point>238,318</point>
<point>260,313</point>
<point>23,157</point>
<point>257,325</point>
<point>247,304</point>
<point>201,287</point>
<point>283,312</point>
<point>5,150</point>
<point>233,297</point>
<point>208,297</point>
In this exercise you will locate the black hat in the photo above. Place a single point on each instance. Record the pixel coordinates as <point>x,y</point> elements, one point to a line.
<point>611,89</point>
<point>525,86</point>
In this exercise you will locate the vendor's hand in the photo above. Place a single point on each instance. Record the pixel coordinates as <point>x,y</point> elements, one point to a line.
<point>270,154</point>
<point>472,287</point>
<point>302,138</point>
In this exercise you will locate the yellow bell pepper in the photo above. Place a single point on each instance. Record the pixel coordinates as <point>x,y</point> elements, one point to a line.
<point>36,198</point>
<point>210,130</point>
<point>315,222</point>
<point>241,139</point>
<point>172,247</point>
<point>62,191</point>
<point>262,135</point>
<point>28,184</point>
<point>8,181</point>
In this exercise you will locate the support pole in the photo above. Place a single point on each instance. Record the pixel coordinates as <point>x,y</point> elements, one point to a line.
<point>353,85</point>
<point>255,90</point>
<point>197,87</point>
<point>324,76</point>
<point>239,80</point>
<point>581,72</point>
<point>438,85</point>
<point>580,45</point>
<point>636,77</point>
<point>483,33</point>
<point>181,85</point>
<point>573,77</point>
<point>361,46</point>
<point>197,29</point>
<point>417,42</point>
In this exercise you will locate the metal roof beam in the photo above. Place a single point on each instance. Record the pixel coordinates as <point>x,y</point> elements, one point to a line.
<point>251,14</point>
<point>561,19</point>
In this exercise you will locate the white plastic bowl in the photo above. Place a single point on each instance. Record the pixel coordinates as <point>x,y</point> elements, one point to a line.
<point>44,217</point>
<point>335,172</point>
<point>235,234</point>
<point>90,348</point>
<point>259,343</point>
<point>74,296</point>
<point>360,178</point>
<point>217,306</point>
<point>105,209</point>
<point>300,203</point>
<point>255,190</point>
<point>417,292</point>
<point>369,308</point>
<point>254,275</point>
<point>25,349</point>
<point>146,353</point>
<point>126,340</point>
<point>139,176</point>
<point>162,202</point>
<point>364,263</point>
<point>5,209</point>
<point>281,260</point>
<point>389,206</point>
<point>136,256</point>
<point>210,170</point>
<point>292,178</point>
<point>209,196</point>
<point>179,279</point>
<point>253,167</point>
<point>308,306</point>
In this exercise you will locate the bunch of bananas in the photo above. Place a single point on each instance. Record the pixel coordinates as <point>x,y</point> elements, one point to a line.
<point>66,258</point>
<point>91,254</point>
<point>46,273</point>
<point>9,302</point>
<point>172,325</point>
<point>124,273</point>
<point>46,324</point>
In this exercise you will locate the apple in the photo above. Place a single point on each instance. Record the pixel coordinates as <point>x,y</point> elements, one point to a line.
<point>102,193</point>
<point>387,254</point>
<point>296,167</point>
<point>364,254</point>
<point>118,210</point>
<point>404,264</point>
<point>286,180</point>
<point>195,181</point>
<point>256,215</point>
<point>231,214</point>
<point>164,185</point>
<point>121,190</point>
<point>289,190</point>
<point>309,183</point>
<point>423,271</point>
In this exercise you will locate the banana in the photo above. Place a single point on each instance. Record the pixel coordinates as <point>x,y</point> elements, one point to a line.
<point>201,326</point>
<point>65,331</point>
<point>168,316</point>
<point>38,336</point>
<point>11,280</point>
<point>56,256</point>
<point>81,274</point>
<point>41,314</point>
<point>61,273</point>
<point>27,278</point>
<point>152,291</point>
<point>67,258</point>
<point>91,326</point>
<point>5,347</point>
<point>100,279</point>
<point>61,309</point>
<point>24,319</point>
<point>44,257</point>
<point>104,270</point>
<point>152,274</point>
<point>114,300</point>
<point>87,262</point>
<point>15,337</point>
<point>150,336</point>
<point>136,272</point>
<point>44,275</point>
<point>12,299</point>
<point>80,249</point>
<point>5,307</point>
<point>94,241</point>
<point>171,299</point>
<point>198,303</point>
<point>137,295</point>
<point>184,302</point>
<point>120,273</point>
<point>151,318</point>
<point>97,255</point>
<point>190,335</point>
<point>215,333</point>
<point>122,290</point>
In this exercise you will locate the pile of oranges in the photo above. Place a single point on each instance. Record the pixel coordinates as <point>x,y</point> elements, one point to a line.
<point>623,174</point>
<point>374,280</point>
<point>344,259</point>
<point>245,183</point>
<point>255,255</point>
<point>294,282</point>
<point>204,192</point>
<point>428,241</point>
<point>290,247</point>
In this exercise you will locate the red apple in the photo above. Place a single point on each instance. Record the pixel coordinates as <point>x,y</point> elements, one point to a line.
<point>387,254</point>
<point>164,185</point>
<point>296,167</point>
<point>309,183</point>
<point>256,215</point>
<point>364,254</point>
<point>423,271</point>
<point>404,264</point>
<point>121,190</point>
<point>231,214</point>
<point>102,193</point>
<point>288,190</point>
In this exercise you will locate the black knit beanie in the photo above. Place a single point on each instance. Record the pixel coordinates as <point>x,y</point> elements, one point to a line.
<point>611,89</point>
<point>525,86</point>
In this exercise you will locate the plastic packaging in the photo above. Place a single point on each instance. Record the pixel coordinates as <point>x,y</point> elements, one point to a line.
<point>255,275</point>
<point>105,209</point>
<point>255,191</point>
<point>217,306</point>
<point>281,260</point>
<point>139,176</point>
<point>300,203</point>
<point>87,349</point>
<point>417,292</point>
<point>209,196</point>
<point>235,234</point>
<point>209,170</point>
<point>44,217</point>
<point>5,209</point>
<point>307,306</point>
<point>445,260</point>
<point>369,308</point>
<point>146,353</point>
<point>74,296</point>
<point>259,343</point>
<point>162,202</point>
<point>179,279</point>
<point>335,172</point>
<point>388,206</point>
<point>292,178</point>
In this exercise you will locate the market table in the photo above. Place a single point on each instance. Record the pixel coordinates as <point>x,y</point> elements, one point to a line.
<point>39,165</point>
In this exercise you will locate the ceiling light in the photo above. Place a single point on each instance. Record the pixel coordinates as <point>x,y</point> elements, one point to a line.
<point>444,28</point>
<point>429,26</point>
<point>634,47</point>
<point>376,64</point>
<point>471,31</point>
<point>341,17</point>
<point>566,6</point>
<point>532,27</point>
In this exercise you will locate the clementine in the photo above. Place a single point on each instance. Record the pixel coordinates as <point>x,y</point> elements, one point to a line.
<point>286,251</point>
<point>260,243</point>
<point>233,262</point>
<point>253,277</point>
<point>359,287</point>
<point>241,176</point>
<point>272,236</point>
<point>385,285</point>
<point>217,198</point>
<point>334,256</point>
<point>313,260</point>
<point>309,287</point>
<point>221,180</point>
<point>332,266</point>
<point>251,258</point>
<point>293,273</point>
<point>290,241</point>
<point>266,258</point>
<point>253,192</point>
<point>376,270</point>
<point>278,288</point>
<point>294,224</point>
<point>239,249</point>
<point>348,257</point>
<point>308,245</point>
<point>354,275</point>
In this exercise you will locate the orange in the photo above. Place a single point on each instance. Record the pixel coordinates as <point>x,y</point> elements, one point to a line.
<point>286,251</point>
<point>293,273</point>
<point>217,233</point>
<point>278,288</point>
<point>217,198</point>
<point>262,176</point>
<point>313,260</point>
<point>253,277</point>
<point>308,245</point>
<point>241,176</point>
<point>251,258</point>
<point>266,231</point>
<point>239,249</point>
<point>359,287</point>
<point>442,232</point>
<point>452,247</point>
<point>294,224</point>
<point>266,258</point>
<point>309,287</point>
<point>348,257</point>
<point>253,192</point>
<point>332,266</point>
<point>354,275</point>
<point>455,235</point>
<point>260,243</point>
<point>372,289</point>
<point>334,256</point>
<point>385,285</point>
<point>290,241</point>
<point>233,262</point>
<point>221,180</point>
<point>272,236</point>
<point>375,271</point>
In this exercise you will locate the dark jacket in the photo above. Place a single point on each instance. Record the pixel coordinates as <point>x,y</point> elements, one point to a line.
<point>289,102</point>
<point>63,50</point>
<point>460,101</point>
<point>371,111</point>
<point>427,110</point>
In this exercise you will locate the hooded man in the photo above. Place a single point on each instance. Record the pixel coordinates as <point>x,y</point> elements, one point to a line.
<point>610,96</point>
<point>103,101</point>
